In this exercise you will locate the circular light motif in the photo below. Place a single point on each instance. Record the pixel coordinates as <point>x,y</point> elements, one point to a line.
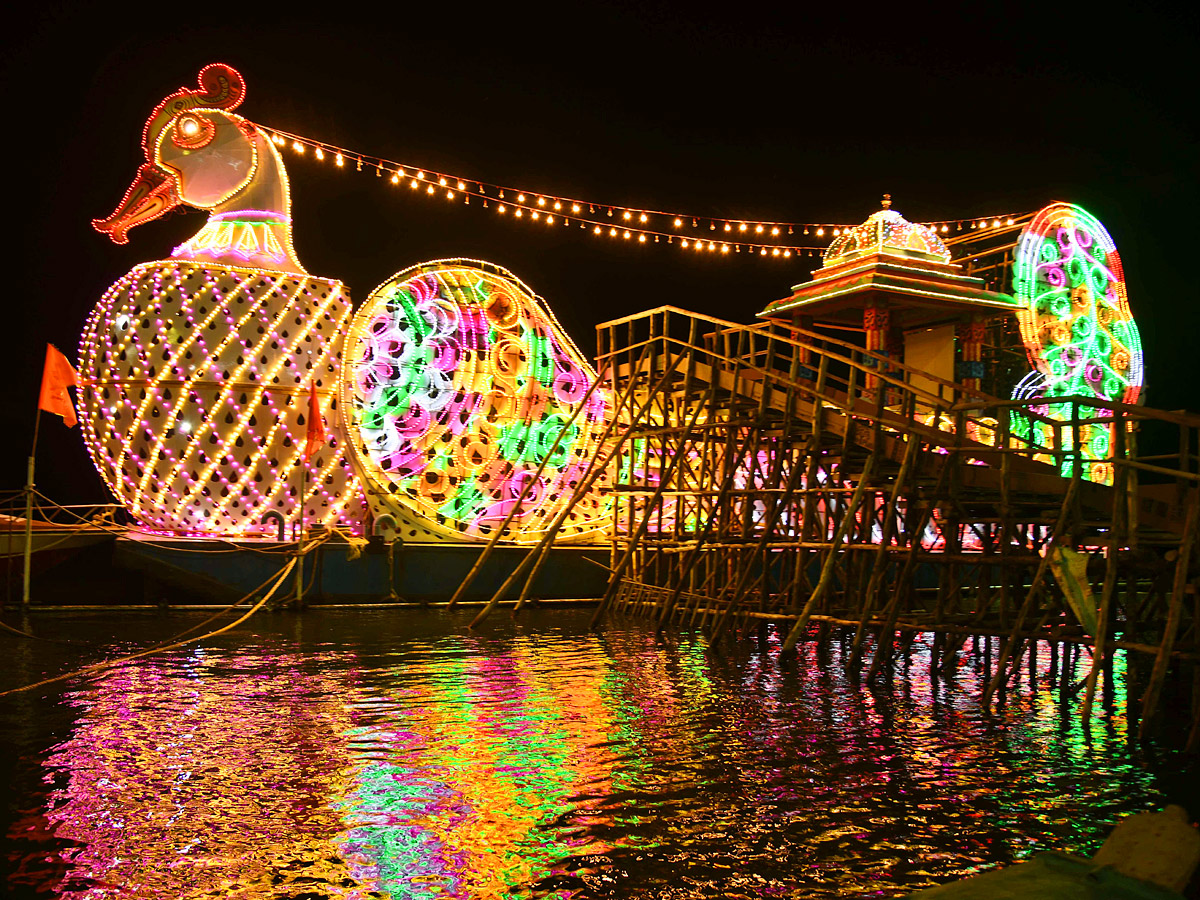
<point>459,385</point>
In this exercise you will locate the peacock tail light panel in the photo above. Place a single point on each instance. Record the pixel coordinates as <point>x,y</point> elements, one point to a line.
<point>195,394</point>
<point>458,383</point>
<point>1075,321</point>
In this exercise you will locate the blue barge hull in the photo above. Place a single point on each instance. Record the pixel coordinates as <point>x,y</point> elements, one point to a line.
<point>225,570</point>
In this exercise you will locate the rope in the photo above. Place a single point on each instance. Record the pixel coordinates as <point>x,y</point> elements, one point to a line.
<point>280,577</point>
<point>35,637</point>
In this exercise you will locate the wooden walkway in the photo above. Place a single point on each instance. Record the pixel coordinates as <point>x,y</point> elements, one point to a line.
<point>766,474</point>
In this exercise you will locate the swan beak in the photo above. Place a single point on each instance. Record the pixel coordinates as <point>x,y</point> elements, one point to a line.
<point>152,194</point>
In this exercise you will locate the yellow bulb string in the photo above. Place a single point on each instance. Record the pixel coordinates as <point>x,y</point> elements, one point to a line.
<point>692,232</point>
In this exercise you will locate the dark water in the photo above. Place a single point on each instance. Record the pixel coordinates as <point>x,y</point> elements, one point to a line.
<point>361,753</point>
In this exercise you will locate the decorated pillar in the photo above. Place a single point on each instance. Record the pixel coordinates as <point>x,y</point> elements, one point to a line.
<point>876,324</point>
<point>969,369</point>
<point>805,369</point>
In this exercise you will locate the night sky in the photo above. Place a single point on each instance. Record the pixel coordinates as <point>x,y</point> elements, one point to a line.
<point>784,113</point>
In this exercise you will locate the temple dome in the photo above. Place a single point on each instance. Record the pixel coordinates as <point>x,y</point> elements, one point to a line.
<point>887,231</point>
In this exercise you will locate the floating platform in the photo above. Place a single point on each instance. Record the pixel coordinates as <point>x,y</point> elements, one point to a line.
<point>338,572</point>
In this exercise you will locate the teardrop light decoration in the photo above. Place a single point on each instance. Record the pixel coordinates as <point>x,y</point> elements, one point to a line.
<point>1075,320</point>
<point>457,384</point>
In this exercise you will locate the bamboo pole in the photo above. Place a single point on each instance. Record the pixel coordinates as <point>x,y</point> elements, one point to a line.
<point>28,560</point>
<point>769,523</point>
<point>1174,614</point>
<point>1034,590</point>
<point>498,532</point>
<point>904,580</point>
<point>827,569</point>
<point>1116,535</point>
<point>879,565</point>
<point>637,535</point>
<point>596,467</point>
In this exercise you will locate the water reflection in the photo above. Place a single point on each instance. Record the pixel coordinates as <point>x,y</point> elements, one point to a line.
<point>388,758</point>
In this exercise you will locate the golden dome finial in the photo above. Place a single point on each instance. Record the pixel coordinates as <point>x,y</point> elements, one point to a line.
<point>887,201</point>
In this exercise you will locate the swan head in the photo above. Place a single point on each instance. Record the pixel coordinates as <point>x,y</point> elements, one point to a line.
<point>198,154</point>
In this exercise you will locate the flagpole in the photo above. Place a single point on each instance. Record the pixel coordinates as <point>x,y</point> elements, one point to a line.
<point>315,436</point>
<point>37,422</point>
<point>300,533</point>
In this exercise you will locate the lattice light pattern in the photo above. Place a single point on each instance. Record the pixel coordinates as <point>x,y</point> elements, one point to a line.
<point>458,382</point>
<point>1075,320</point>
<point>194,393</point>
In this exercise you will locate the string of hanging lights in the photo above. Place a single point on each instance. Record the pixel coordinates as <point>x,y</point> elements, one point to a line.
<point>698,234</point>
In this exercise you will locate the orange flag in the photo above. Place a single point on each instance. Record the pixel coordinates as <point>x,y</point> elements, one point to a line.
<point>316,425</point>
<point>57,376</point>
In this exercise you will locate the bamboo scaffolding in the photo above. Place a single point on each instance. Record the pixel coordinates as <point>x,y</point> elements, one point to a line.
<point>813,458</point>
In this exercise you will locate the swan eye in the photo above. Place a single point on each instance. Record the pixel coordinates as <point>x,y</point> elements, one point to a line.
<point>193,132</point>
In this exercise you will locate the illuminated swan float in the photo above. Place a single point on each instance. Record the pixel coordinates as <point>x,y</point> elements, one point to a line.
<point>446,393</point>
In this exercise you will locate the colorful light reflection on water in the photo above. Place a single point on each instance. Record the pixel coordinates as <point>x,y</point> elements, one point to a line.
<point>354,754</point>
